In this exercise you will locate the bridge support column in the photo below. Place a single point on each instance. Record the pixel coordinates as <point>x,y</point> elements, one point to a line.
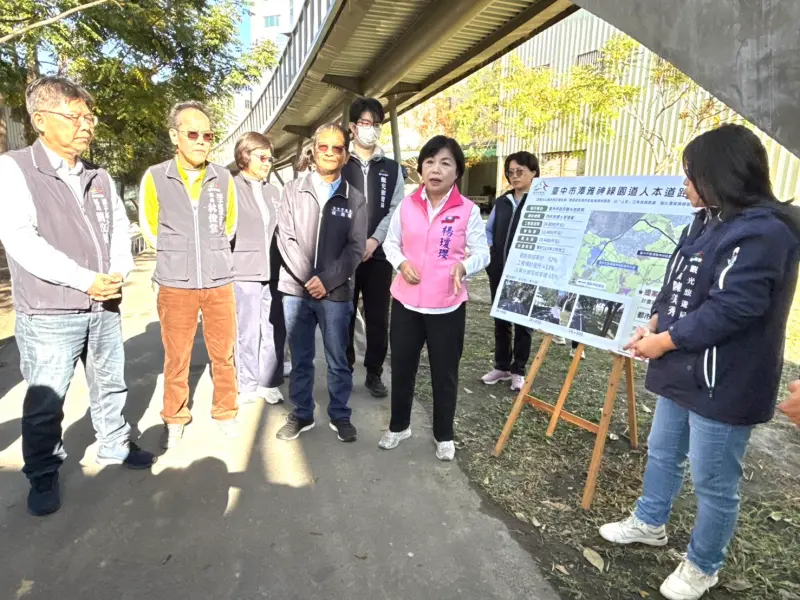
<point>395,128</point>
<point>298,153</point>
<point>346,102</point>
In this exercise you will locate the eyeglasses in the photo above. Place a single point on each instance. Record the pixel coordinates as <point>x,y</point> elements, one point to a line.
<point>89,119</point>
<point>517,172</point>
<point>264,158</point>
<point>337,150</point>
<point>208,136</point>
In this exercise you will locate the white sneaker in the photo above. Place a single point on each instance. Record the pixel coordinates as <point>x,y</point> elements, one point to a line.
<point>445,450</point>
<point>173,433</point>
<point>391,439</point>
<point>270,395</point>
<point>632,530</point>
<point>687,582</point>
<point>494,376</point>
<point>229,428</point>
<point>248,397</point>
<point>572,354</point>
<point>517,381</point>
<point>557,339</point>
<point>287,368</point>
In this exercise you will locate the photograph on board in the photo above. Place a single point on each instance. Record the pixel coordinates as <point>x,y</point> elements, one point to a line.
<point>595,316</point>
<point>516,297</point>
<point>548,305</point>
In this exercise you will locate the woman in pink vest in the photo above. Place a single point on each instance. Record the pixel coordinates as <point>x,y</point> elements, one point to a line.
<point>436,240</point>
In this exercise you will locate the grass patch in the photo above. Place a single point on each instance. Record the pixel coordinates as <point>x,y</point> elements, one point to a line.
<point>537,482</point>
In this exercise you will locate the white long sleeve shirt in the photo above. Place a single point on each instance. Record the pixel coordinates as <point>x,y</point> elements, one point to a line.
<point>477,247</point>
<point>20,236</point>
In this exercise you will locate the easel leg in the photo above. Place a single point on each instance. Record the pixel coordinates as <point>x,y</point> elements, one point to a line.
<point>633,425</point>
<point>602,433</point>
<point>562,397</point>
<point>522,396</point>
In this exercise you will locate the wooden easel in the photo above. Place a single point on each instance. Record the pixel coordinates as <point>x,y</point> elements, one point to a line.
<point>599,429</point>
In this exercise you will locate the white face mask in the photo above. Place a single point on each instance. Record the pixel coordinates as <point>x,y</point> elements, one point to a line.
<point>367,136</point>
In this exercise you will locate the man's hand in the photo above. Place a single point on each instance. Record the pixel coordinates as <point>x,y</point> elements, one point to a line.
<point>316,289</point>
<point>652,346</point>
<point>409,273</point>
<point>106,287</point>
<point>791,406</point>
<point>372,245</point>
<point>458,272</point>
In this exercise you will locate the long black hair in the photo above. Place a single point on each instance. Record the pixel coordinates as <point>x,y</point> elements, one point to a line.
<point>729,168</point>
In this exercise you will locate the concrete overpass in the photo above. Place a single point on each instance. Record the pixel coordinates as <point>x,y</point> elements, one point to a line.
<point>745,52</point>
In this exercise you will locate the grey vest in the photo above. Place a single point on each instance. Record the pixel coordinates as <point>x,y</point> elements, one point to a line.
<point>81,228</point>
<point>193,251</point>
<point>258,218</point>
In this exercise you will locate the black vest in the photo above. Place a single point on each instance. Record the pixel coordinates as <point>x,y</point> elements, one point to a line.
<point>506,220</point>
<point>377,187</point>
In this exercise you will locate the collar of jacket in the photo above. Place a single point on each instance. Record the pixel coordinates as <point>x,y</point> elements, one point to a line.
<point>343,191</point>
<point>42,162</point>
<point>454,200</point>
<point>377,154</point>
<point>173,172</point>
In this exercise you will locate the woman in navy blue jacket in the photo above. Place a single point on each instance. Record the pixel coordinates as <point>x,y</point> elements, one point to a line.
<point>715,345</point>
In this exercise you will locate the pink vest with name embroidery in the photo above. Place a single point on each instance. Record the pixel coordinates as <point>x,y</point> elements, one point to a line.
<point>433,248</point>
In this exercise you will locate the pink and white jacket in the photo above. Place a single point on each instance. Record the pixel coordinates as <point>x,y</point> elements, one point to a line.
<point>433,246</point>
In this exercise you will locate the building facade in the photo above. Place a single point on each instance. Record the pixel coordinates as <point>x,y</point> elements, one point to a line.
<point>578,40</point>
<point>266,20</point>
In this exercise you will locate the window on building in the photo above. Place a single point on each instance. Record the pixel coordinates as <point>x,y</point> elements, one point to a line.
<point>248,105</point>
<point>272,21</point>
<point>562,164</point>
<point>588,58</point>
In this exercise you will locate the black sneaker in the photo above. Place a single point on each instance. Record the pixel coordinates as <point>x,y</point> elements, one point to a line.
<point>293,428</point>
<point>128,454</point>
<point>44,497</point>
<point>345,429</point>
<point>376,387</point>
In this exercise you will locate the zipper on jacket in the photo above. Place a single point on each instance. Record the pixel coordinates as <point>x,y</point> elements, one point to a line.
<point>508,231</point>
<point>711,380</point>
<point>195,208</point>
<point>95,241</point>
<point>316,246</point>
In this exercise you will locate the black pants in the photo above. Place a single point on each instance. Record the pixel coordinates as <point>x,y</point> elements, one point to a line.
<point>506,359</point>
<point>373,280</point>
<point>444,336</point>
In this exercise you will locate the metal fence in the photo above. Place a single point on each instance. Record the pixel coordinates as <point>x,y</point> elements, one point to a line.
<point>287,75</point>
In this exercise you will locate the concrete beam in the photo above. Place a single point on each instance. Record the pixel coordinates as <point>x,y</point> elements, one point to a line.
<point>745,52</point>
<point>346,84</point>
<point>440,21</point>
<point>304,131</point>
<point>404,88</point>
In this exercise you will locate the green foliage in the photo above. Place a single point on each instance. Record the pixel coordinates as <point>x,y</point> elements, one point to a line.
<point>137,59</point>
<point>511,100</point>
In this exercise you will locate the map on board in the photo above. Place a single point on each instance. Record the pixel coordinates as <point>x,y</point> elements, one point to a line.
<point>590,254</point>
<point>622,252</point>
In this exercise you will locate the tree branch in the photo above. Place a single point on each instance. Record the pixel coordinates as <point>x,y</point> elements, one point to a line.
<point>50,21</point>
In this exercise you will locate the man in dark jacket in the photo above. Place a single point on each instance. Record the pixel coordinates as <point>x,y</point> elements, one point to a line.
<point>322,230</point>
<point>380,180</point>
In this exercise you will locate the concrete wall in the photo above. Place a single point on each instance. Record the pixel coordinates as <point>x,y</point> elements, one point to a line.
<point>745,52</point>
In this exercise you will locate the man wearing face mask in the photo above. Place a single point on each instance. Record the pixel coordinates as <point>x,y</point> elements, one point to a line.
<point>380,180</point>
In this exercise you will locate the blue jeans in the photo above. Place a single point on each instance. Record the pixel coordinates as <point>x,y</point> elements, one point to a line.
<point>302,316</point>
<point>49,349</point>
<point>715,451</point>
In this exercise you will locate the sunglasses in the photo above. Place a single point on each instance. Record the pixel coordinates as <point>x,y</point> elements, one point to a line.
<point>337,150</point>
<point>517,172</point>
<point>208,136</point>
<point>264,158</point>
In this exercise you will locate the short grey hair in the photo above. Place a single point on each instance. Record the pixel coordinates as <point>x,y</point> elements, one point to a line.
<point>178,108</point>
<point>48,92</point>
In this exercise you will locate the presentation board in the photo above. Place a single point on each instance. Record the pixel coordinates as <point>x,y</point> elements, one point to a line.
<point>590,254</point>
